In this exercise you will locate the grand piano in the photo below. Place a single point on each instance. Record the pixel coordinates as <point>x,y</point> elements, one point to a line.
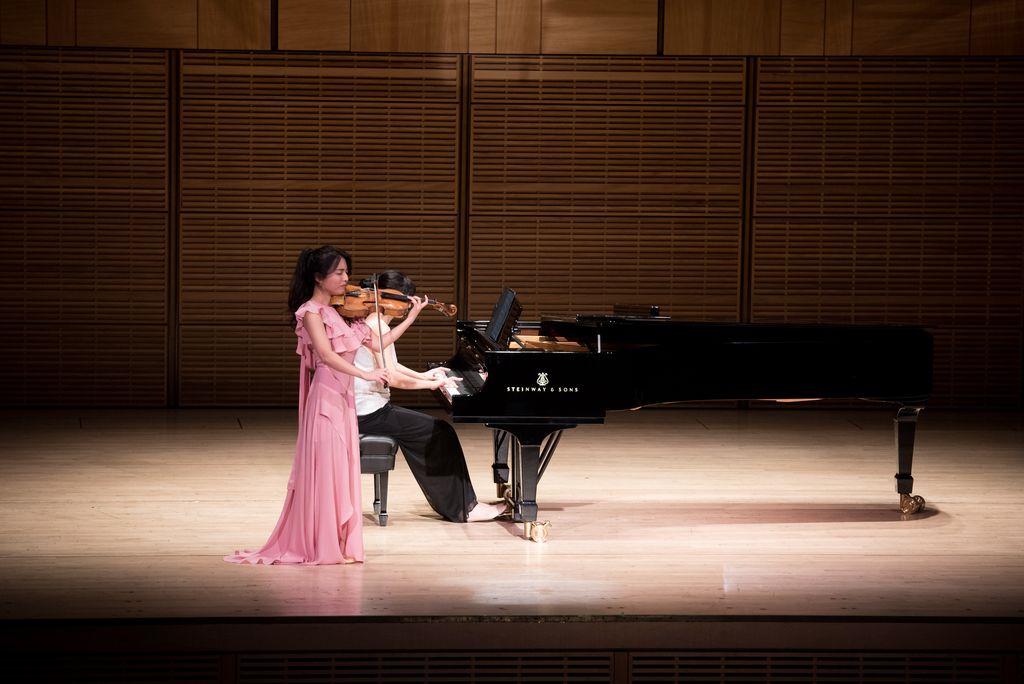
<point>530,382</point>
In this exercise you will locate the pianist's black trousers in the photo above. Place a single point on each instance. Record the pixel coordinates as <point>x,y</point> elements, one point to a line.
<point>434,454</point>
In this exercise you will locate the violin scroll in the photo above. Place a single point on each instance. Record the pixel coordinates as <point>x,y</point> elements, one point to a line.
<point>448,310</point>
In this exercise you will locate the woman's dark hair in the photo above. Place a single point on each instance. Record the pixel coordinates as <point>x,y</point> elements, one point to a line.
<point>313,263</point>
<point>396,280</point>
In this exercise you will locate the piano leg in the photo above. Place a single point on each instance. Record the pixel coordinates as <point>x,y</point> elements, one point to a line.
<point>905,424</point>
<point>526,468</point>
<point>528,454</point>
<point>500,465</point>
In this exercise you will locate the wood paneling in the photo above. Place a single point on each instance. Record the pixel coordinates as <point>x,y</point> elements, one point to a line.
<point>234,24</point>
<point>84,300</point>
<point>960,278</point>
<point>482,25</point>
<point>313,24</point>
<point>238,365</point>
<point>568,159</point>
<point>518,26</point>
<point>872,137</point>
<point>358,157</point>
<point>410,25</point>
<point>692,27</point>
<point>931,271</point>
<point>690,267</point>
<point>73,138</point>
<point>889,191</point>
<point>838,27</point>
<point>74,74</point>
<point>282,152</point>
<point>722,27</point>
<point>366,155</point>
<point>87,154</point>
<point>260,77</point>
<point>997,27</point>
<point>60,22</point>
<point>137,23</point>
<point>911,27</point>
<point>884,190</point>
<point>578,135</point>
<point>831,83</point>
<point>612,80</point>
<point>890,161</point>
<point>22,22</point>
<point>223,255</point>
<point>79,267</point>
<point>83,226</point>
<point>589,171</point>
<point>802,29</point>
<point>46,363</point>
<point>609,27</point>
<point>978,367</point>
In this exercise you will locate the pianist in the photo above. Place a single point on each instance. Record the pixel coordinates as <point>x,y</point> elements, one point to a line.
<point>430,445</point>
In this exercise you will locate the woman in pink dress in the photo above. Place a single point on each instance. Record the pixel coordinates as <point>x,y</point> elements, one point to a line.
<point>321,522</point>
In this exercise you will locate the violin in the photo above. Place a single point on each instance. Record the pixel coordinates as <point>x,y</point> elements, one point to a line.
<point>359,302</point>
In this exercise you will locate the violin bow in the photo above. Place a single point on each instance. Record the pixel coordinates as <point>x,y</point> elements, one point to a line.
<point>380,329</point>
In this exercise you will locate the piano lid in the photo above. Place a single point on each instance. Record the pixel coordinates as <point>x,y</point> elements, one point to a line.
<point>659,360</point>
<point>646,330</point>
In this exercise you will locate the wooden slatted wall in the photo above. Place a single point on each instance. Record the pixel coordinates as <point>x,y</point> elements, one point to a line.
<point>890,191</point>
<point>603,180</point>
<point>83,226</point>
<point>881,190</point>
<point>285,151</point>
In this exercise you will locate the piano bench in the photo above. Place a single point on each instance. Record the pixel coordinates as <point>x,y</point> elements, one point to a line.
<point>377,456</point>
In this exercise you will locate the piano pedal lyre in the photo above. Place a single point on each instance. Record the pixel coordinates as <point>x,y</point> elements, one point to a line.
<point>911,503</point>
<point>537,531</point>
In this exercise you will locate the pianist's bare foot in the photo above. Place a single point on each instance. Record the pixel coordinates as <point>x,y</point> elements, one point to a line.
<point>485,511</point>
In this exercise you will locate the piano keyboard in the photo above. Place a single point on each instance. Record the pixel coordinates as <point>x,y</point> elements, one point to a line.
<point>469,383</point>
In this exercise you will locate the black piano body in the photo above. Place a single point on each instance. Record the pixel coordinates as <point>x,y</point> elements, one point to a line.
<point>569,371</point>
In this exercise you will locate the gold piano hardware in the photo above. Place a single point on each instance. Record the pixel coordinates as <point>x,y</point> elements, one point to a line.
<point>537,531</point>
<point>911,504</point>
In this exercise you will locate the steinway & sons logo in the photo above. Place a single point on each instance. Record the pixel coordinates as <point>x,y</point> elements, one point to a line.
<point>542,384</point>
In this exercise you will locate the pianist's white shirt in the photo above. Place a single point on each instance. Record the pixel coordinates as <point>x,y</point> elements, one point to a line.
<point>371,396</point>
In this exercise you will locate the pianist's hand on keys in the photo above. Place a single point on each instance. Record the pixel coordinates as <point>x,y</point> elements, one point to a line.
<point>451,385</point>
<point>448,384</point>
<point>439,373</point>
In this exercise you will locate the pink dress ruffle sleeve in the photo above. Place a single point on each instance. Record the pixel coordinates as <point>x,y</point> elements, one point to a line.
<point>321,522</point>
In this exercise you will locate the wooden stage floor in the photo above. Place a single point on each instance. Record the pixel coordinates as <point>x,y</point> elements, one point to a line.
<point>666,521</point>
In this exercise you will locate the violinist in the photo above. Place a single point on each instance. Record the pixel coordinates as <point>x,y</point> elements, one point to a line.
<point>430,445</point>
<point>320,521</point>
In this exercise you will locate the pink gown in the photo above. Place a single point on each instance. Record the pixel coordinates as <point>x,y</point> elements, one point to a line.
<point>321,522</point>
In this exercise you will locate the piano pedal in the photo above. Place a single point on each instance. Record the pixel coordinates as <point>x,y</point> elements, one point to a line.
<point>537,531</point>
<point>505,492</point>
<point>911,503</point>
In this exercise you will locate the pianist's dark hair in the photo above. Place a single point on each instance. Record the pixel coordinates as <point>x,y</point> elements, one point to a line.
<point>396,280</point>
<point>311,264</point>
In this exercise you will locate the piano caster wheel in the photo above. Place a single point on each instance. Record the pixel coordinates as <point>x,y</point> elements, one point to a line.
<point>910,504</point>
<point>537,531</point>
<point>505,491</point>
